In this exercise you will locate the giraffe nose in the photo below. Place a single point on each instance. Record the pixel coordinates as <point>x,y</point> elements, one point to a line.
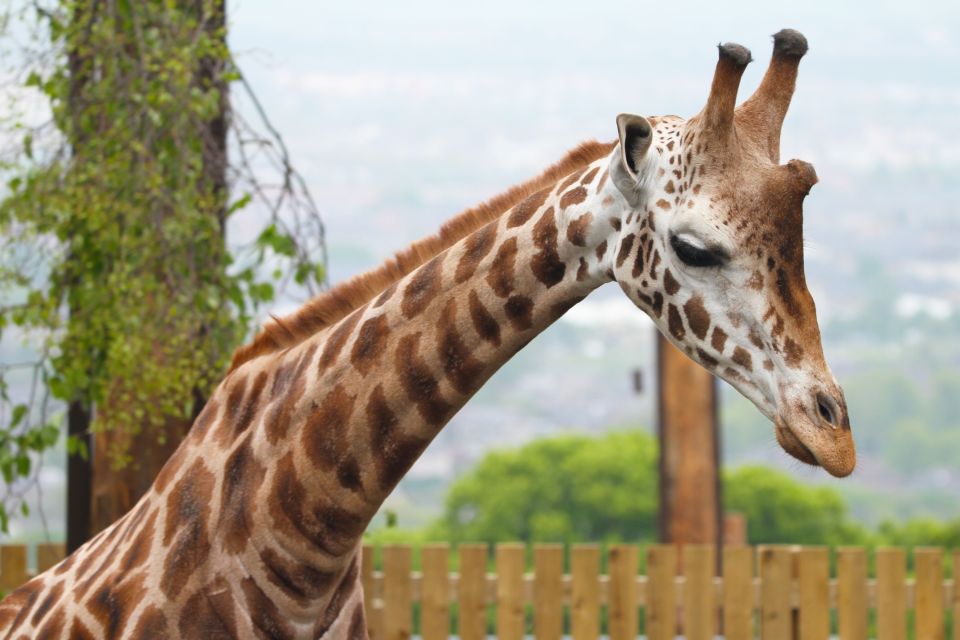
<point>832,411</point>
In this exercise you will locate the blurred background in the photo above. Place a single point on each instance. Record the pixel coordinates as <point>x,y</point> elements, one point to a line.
<point>399,115</point>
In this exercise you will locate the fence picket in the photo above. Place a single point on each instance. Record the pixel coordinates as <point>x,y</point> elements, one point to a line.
<point>775,611</point>
<point>397,600</point>
<point>738,593</point>
<point>548,592</point>
<point>48,555</point>
<point>585,592</point>
<point>814,586</point>
<point>13,566</point>
<point>661,592</point>
<point>699,609</point>
<point>622,605</point>
<point>435,598</point>
<point>371,598</point>
<point>891,594</point>
<point>510,597</point>
<point>928,567</point>
<point>955,604</point>
<point>472,594</point>
<point>852,593</point>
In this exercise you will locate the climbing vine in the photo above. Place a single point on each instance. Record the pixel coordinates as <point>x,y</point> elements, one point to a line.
<point>115,267</point>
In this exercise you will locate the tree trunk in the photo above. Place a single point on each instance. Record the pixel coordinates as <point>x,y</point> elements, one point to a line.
<point>116,490</point>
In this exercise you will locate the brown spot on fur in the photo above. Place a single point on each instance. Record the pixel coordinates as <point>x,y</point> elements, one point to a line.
<point>657,303</point>
<point>755,281</point>
<point>475,249</point>
<point>718,339</point>
<point>582,270</point>
<point>279,414</point>
<point>152,625</point>
<point>370,342</point>
<point>654,263</point>
<point>209,613</point>
<point>139,550</point>
<point>185,530</point>
<point>326,437</point>
<point>519,310</point>
<point>484,323</point>
<point>422,288</point>
<point>546,263</point>
<point>525,210</point>
<point>385,296</point>
<point>267,619</point>
<point>670,284</point>
<point>334,305</point>
<point>338,599</point>
<point>202,423</point>
<point>614,222</point>
<point>603,179</point>
<point>419,383</point>
<point>53,594</point>
<point>111,605</point>
<point>462,370</point>
<point>577,230</point>
<point>572,197</point>
<point>298,580</point>
<point>675,322</point>
<point>601,249</point>
<point>243,414</point>
<point>52,629</point>
<point>590,175</point>
<point>755,338</point>
<point>318,520</point>
<point>358,624</point>
<point>706,359</point>
<point>697,316</point>
<point>669,188</point>
<point>786,293</point>
<point>396,452</point>
<point>793,352</point>
<point>743,358</point>
<point>243,475</point>
<point>501,274</point>
<point>663,204</point>
<point>338,338</point>
<point>570,180</point>
<point>625,247</point>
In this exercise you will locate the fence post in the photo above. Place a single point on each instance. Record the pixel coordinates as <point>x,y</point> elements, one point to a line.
<point>956,594</point>
<point>435,607</point>
<point>510,600</point>
<point>776,620</point>
<point>397,592</point>
<point>661,592</point>
<point>585,592</point>
<point>622,605</point>
<point>814,586</point>
<point>699,608</point>
<point>472,593</point>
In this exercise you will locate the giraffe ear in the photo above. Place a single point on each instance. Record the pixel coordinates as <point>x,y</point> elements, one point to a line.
<point>636,134</point>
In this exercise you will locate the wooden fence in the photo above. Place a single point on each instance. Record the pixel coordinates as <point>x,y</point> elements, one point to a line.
<point>778,592</point>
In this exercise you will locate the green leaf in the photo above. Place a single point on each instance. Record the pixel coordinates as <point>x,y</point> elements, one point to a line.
<point>19,413</point>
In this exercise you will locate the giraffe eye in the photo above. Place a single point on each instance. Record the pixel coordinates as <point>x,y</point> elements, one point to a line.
<point>695,256</point>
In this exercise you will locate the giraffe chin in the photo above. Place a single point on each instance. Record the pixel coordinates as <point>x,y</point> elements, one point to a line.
<point>838,462</point>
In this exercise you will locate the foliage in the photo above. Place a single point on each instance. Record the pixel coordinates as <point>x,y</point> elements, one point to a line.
<point>568,488</point>
<point>781,510</point>
<point>112,233</point>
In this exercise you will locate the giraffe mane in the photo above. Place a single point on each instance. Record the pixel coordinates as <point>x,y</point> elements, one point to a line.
<point>331,306</point>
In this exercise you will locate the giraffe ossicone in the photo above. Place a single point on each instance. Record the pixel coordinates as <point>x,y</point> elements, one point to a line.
<point>253,527</point>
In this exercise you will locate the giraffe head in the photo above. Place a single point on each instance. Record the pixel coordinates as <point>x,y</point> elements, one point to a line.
<point>711,246</point>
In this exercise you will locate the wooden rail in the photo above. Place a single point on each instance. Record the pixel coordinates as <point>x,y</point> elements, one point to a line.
<point>779,592</point>
<point>774,592</point>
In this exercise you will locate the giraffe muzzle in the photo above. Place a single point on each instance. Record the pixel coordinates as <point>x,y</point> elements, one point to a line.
<point>818,433</point>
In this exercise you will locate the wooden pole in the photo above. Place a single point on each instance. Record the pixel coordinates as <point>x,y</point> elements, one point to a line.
<point>690,511</point>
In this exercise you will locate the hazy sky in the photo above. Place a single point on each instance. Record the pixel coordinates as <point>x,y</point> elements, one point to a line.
<point>402,114</point>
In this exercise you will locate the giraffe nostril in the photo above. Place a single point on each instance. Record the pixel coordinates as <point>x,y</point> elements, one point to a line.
<point>827,409</point>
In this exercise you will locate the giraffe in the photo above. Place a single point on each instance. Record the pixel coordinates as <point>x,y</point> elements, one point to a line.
<point>253,527</point>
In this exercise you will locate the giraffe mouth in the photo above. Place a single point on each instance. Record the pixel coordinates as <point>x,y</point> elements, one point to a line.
<point>792,445</point>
